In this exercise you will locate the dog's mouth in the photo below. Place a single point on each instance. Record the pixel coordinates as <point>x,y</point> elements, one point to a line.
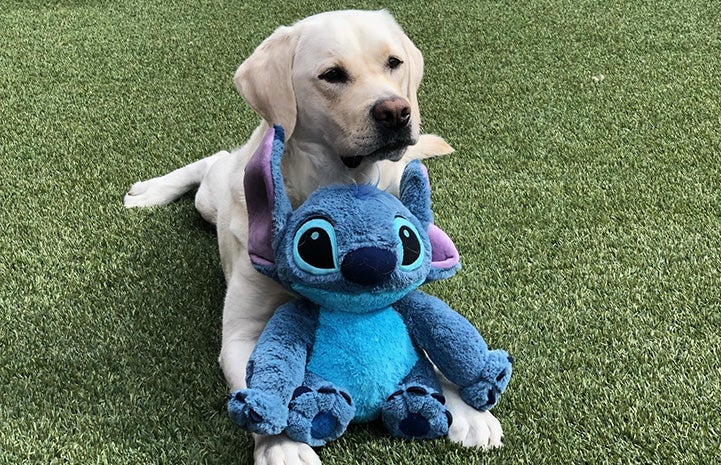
<point>393,151</point>
<point>352,162</point>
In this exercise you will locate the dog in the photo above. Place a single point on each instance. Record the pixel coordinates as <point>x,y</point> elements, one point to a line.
<point>343,84</point>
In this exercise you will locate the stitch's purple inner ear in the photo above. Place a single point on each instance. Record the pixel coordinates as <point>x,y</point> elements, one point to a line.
<point>425,173</point>
<point>444,252</point>
<point>258,185</point>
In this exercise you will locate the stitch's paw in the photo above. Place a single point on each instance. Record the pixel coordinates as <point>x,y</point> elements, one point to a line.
<point>320,415</point>
<point>257,411</point>
<point>494,378</point>
<point>416,412</point>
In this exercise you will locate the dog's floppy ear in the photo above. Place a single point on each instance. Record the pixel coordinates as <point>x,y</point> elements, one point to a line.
<point>415,74</point>
<point>264,79</point>
<point>415,190</point>
<point>265,197</point>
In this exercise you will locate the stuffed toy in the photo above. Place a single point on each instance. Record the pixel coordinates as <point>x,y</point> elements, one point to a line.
<point>360,341</point>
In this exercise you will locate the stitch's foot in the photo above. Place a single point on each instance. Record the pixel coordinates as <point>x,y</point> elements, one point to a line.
<point>258,411</point>
<point>416,412</point>
<point>320,415</point>
<point>494,378</point>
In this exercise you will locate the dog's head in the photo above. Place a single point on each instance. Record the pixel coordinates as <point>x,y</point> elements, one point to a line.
<point>346,80</point>
<point>347,247</point>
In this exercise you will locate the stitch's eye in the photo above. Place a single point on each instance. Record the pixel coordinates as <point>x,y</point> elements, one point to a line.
<point>410,247</point>
<point>314,247</point>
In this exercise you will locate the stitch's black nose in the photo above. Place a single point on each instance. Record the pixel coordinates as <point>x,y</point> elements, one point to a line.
<point>368,266</point>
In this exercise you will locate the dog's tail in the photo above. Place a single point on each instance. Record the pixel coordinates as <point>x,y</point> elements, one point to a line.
<point>428,146</point>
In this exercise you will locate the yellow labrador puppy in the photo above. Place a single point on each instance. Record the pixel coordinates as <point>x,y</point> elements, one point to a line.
<point>343,84</point>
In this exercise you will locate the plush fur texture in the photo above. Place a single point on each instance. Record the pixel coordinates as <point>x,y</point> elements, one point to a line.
<point>356,344</point>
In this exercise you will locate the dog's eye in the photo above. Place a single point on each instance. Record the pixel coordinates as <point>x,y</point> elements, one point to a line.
<point>334,75</point>
<point>394,62</point>
<point>410,247</point>
<point>314,247</point>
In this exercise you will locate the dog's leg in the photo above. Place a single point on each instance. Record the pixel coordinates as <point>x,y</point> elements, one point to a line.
<point>470,427</point>
<point>165,189</point>
<point>249,302</point>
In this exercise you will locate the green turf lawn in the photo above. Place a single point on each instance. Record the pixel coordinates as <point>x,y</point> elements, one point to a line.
<point>587,212</point>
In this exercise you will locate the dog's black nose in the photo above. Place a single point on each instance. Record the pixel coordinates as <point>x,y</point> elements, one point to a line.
<point>368,266</point>
<point>392,113</point>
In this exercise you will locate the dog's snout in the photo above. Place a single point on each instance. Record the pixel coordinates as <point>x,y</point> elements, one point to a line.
<point>392,113</point>
<point>368,266</point>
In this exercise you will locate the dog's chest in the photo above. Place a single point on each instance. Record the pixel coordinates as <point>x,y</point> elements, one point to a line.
<point>368,354</point>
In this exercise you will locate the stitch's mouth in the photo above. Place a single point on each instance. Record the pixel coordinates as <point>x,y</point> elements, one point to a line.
<point>353,302</point>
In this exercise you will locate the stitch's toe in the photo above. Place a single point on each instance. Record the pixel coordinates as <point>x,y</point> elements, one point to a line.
<point>254,416</point>
<point>299,391</point>
<point>492,397</point>
<point>417,390</point>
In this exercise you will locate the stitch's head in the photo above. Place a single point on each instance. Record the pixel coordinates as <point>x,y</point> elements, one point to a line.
<point>347,247</point>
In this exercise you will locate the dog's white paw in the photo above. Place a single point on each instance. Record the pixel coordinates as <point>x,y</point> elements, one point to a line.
<point>477,429</point>
<point>280,450</point>
<point>150,193</point>
<point>471,428</point>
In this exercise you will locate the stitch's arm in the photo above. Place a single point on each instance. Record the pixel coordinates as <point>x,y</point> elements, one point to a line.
<point>451,342</point>
<point>275,369</point>
<point>278,361</point>
<point>457,349</point>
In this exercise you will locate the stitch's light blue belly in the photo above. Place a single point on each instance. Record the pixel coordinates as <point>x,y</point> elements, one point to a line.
<point>368,354</point>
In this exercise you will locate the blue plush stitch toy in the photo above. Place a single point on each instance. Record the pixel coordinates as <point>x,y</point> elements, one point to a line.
<point>353,345</point>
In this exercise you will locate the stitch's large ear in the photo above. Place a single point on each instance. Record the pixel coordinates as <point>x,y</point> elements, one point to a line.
<point>264,79</point>
<point>416,196</point>
<point>415,192</point>
<point>268,206</point>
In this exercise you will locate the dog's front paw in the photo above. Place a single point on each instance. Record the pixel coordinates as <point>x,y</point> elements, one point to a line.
<point>471,428</point>
<point>320,415</point>
<point>280,450</point>
<point>494,378</point>
<point>258,411</point>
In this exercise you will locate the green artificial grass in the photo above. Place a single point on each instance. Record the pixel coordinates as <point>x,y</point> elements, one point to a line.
<point>584,197</point>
